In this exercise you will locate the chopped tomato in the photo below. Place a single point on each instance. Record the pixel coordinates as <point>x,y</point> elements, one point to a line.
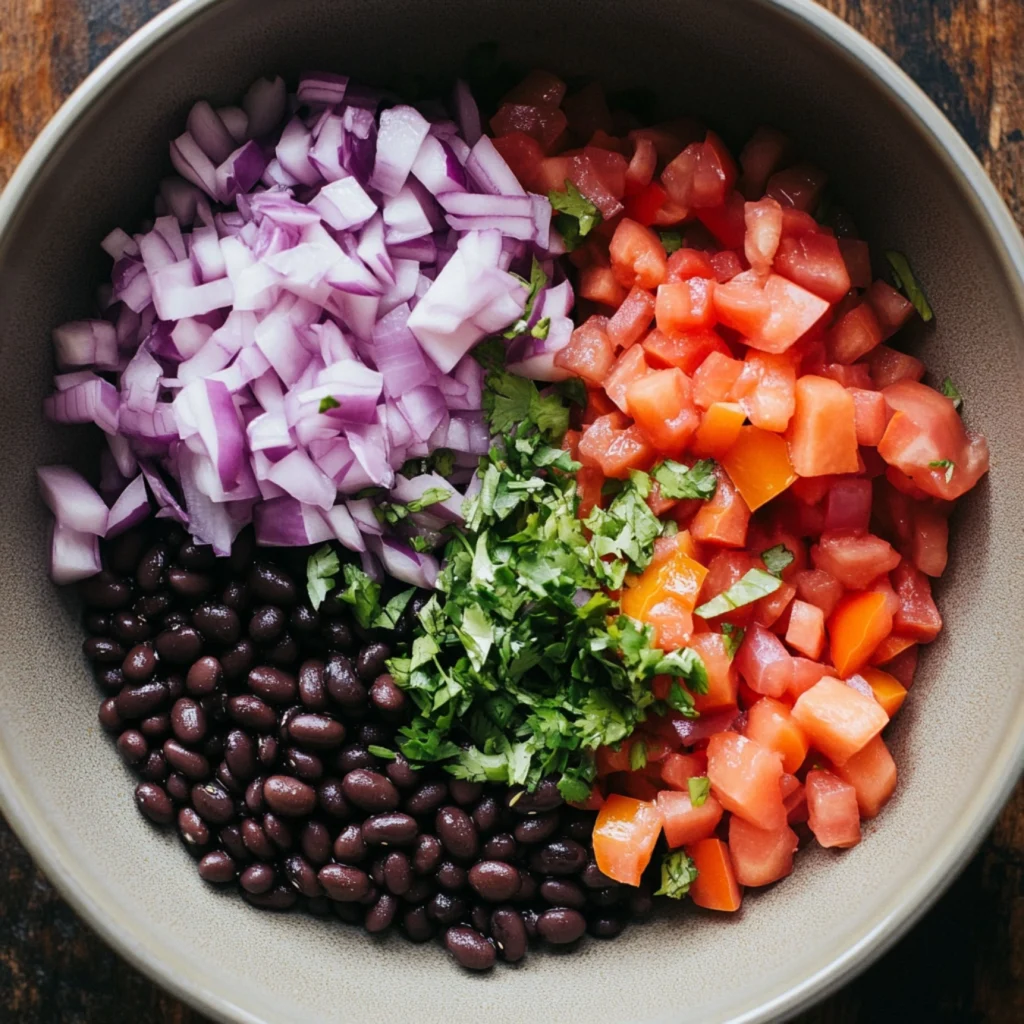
<point>524,157</point>
<point>723,677</point>
<point>726,222</point>
<point>815,262</point>
<point>664,596</point>
<point>719,428</point>
<point>892,309</point>
<point>716,887</point>
<point>537,87</point>
<point>684,823</point>
<point>760,856</point>
<point>641,168</point>
<point>588,111</point>
<point>857,257</point>
<point>630,366</point>
<point>854,335</point>
<point>854,560</point>
<point>805,674</point>
<point>702,175</point>
<point>766,388</point>
<point>760,158</point>
<point>615,448</point>
<point>764,663</point>
<point>758,464</point>
<point>589,482</point>
<point>771,724</point>
<point>686,263</point>
<point>918,616</point>
<point>600,175</point>
<point>798,186</point>
<point>838,720</point>
<point>872,773</point>
<point>686,350</point>
<point>590,352</point>
<point>763,221</point>
<point>722,520</point>
<point>637,255</point>
<point>832,813</point>
<point>870,415</point>
<point>542,121</point>
<point>806,631</point>
<point>822,435</point>
<point>771,611</point>
<point>726,265</point>
<point>661,403</point>
<point>890,367</point>
<point>678,769</point>
<point>745,778</point>
<point>632,318</point>
<point>643,207</point>
<point>600,284</point>
<point>685,305</point>
<point>714,378</point>
<point>848,506</point>
<point>625,834</point>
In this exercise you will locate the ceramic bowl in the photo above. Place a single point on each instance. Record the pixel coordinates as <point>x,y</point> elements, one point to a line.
<point>911,184</point>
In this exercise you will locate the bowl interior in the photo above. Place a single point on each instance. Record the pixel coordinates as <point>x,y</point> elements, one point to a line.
<point>736,64</point>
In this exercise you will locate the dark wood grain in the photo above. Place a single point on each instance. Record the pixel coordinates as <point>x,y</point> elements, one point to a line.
<point>965,961</point>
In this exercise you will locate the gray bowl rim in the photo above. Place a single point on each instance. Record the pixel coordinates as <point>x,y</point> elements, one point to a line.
<point>144,949</point>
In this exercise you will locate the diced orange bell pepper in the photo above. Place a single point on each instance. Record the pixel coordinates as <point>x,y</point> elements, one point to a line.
<point>758,464</point>
<point>719,428</point>
<point>664,596</point>
<point>716,887</point>
<point>625,834</point>
<point>888,690</point>
<point>890,647</point>
<point>860,622</point>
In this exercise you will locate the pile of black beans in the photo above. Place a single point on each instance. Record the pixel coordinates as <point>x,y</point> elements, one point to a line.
<point>250,718</point>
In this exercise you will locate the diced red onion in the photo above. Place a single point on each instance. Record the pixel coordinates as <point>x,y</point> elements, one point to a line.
<point>236,121</point>
<point>265,104</point>
<point>94,401</point>
<point>467,113</point>
<point>285,522</point>
<point>418,569</point>
<point>399,137</point>
<point>322,88</point>
<point>72,500</point>
<point>131,508</point>
<point>345,528</point>
<point>74,555</point>
<point>489,170</point>
<point>209,132</point>
<point>411,489</point>
<point>85,343</point>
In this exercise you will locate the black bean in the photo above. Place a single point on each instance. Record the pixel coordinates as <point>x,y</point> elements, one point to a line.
<point>390,829</point>
<point>494,880</point>
<point>154,803</point>
<point>150,571</point>
<point>180,646</point>
<point>342,684</point>
<point>594,878</point>
<point>417,925</point>
<point>156,727</point>
<point>254,795</point>
<point>257,842</point>
<point>142,700</point>
<point>349,846</point>
<point>272,584</point>
<point>320,906</point>
<point>194,832</point>
<point>154,767</point>
<point>174,620</point>
<point>499,847</point>
<point>203,676</point>
<point>445,908</point>
<point>230,838</point>
<point>387,697</point>
<point>537,828</point>
<point>381,915</point>
<point>240,754</point>
<point>236,595</point>
<point>509,934</point>
<point>608,897</point>
<point>191,764</point>
<point>527,887</point>
<point>544,798</point>
<point>273,684</point>
<point>372,661</point>
<point>304,620</point>
<point>217,867</point>
<point>486,814</point>
<point>401,773</point>
<point>559,857</point>
<point>343,882</point>
<point>223,775</point>
<point>105,590</point>
<point>217,622</point>
<point>289,797</point>
<point>238,659</point>
<point>257,878</point>
<point>178,787</point>
<point>125,550</point>
<point>196,556</point>
<point>427,854</point>
<point>109,677</point>
<point>212,803</point>
<point>370,790</point>
<point>469,948</point>
<point>315,841</point>
<point>281,897</point>
<point>640,904</point>
<point>175,683</point>
<point>132,746</point>
<point>213,746</point>
<point>280,834</point>
<point>561,926</point>
<point>377,871</point>
<point>96,623</point>
<point>110,718</point>
<point>397,873</point>
<point>251,713</point>
<point>320,732</point>
<point>530,918</point>
<point>130,628</point>
<point>302,764</point>
<point>139,663</point>
<point>188,720</point>
<point>457,832</point>
<point>420,891</point>
<point>302,877</point>
<point>284,653</point>
<point>450,876</point>
<point>312,689</point>
<point>353,756</point>
<point>605,926</point>
<point>152,606</point>
<point>561,893</point>
<point>480,918</point>
<point>331,798</point>
<point>266,750</point>
<point>337,635</point>
<point>266,624</point>
<point>465,793</point>
<point>427,798</point>
<point>102,651</point>
<point>188,584</point>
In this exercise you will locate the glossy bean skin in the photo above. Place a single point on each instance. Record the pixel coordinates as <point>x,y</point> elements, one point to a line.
<point>469,948</point>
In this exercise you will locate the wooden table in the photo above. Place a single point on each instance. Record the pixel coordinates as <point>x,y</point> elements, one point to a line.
<point>965,961</point>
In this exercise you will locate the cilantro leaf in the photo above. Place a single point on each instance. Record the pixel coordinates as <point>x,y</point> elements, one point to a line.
<point>678,873</point>
<point>321,568</point>
<point>362,593</point>
<point>327,402</point>
<point>677,481</point>
<point>431,496</point>
<point>732,637</point>
<point>672,241</point>
<point>388,616</point>
<point>513,403</point>
<point>382,752</point>
<point>576,216</point>
<point>637,756</point>
<point>541,328</point>
<point>945,464</point>
<point>752,586</point>
<point>573,390</point>
<point>777,558</point>
<point>907,283</point>
<point>950,390</point>
<point>626,529</point>
<point>538,279</point>
<point>700,790</point>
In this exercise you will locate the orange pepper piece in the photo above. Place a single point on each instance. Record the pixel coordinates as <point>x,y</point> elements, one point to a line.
<point>625,834</point>
<point>758,464</point>
<point>860,622</point>
<point>888,690</point>
<point>719,428</point>
<point>716,887</point>
<point>664,596</point>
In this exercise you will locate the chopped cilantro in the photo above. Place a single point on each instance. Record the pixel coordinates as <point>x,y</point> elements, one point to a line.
<point>637,756</point>
<point>440,461</point>
<point>672,241</point>
<point>431,496</point>
<point>732,637</point>
<point>382,752</point>
<point>952,392</point>
<point>420,543</point>
<point>576,216</point>
<point>535,285</point>
<point>626,530</point>
<point>364,596</point>
<point>777,558</point>
<point>511,401</point>
<point>700,790</point>
<point>321,568</point>
<point>754,585</point>
<point>540,328</point>
<point>944,464</point>
<point>327,403</point>
<point>907,283</point>
<point>677,481</point>
<point>678,873</point>
<point>573,390</point>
